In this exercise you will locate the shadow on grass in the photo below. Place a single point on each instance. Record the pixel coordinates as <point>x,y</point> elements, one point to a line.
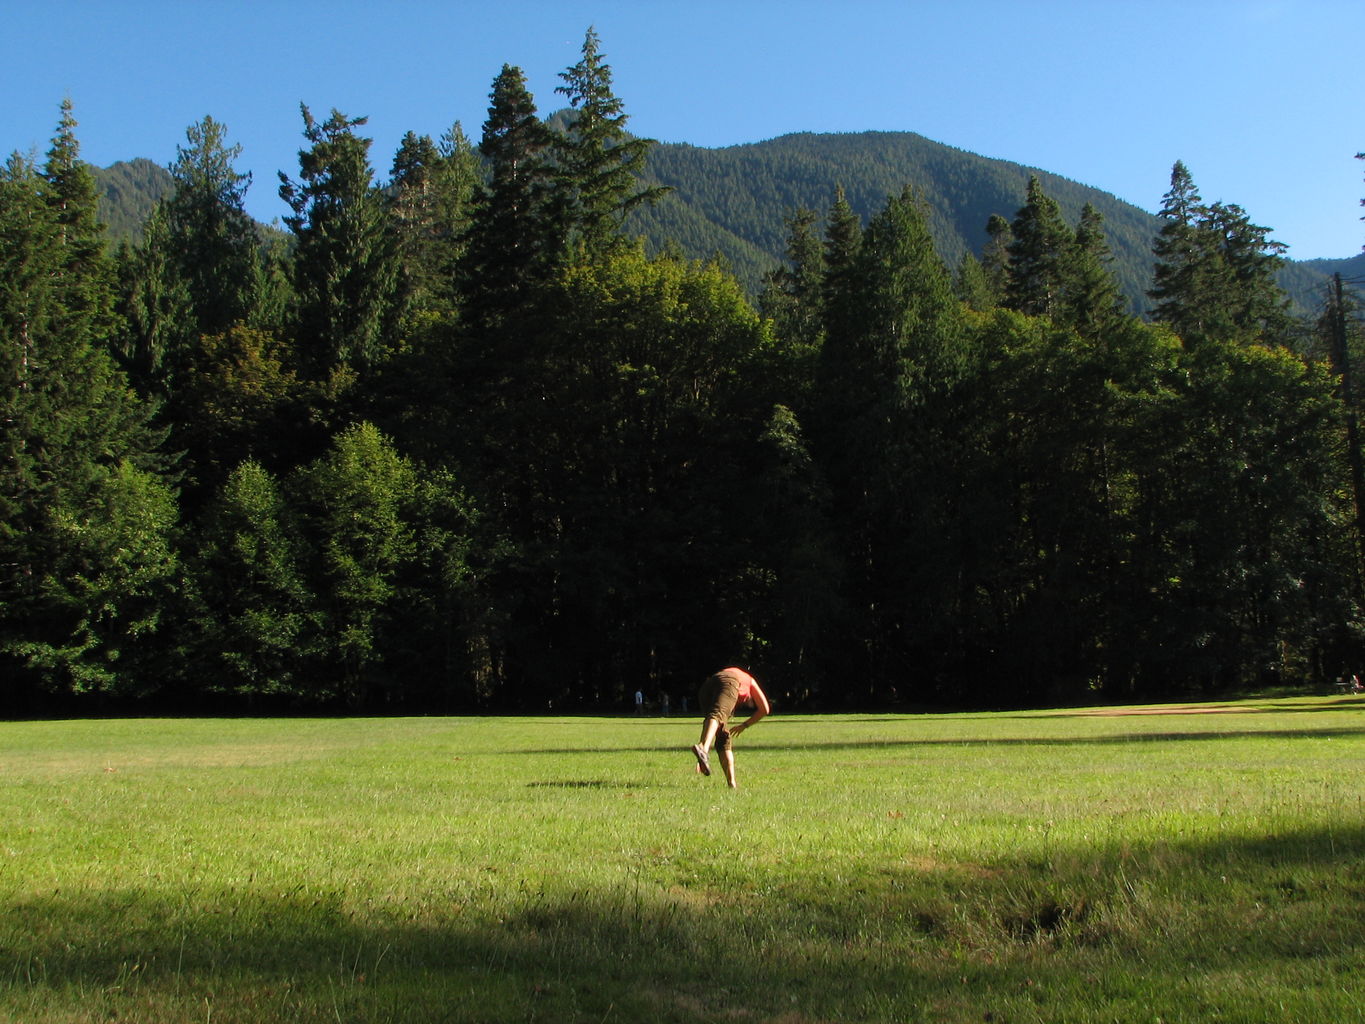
<point>1164,736</point>
<point>588,784</point>
<point>1250,706</point>
<point>1094,929</point>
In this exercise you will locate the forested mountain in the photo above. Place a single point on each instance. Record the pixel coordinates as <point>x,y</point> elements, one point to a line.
<point>1352,269</point>
<point>129,190</point>
<point>734,201</point>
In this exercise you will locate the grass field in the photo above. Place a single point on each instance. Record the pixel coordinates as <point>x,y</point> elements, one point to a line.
<point>1206,865</point>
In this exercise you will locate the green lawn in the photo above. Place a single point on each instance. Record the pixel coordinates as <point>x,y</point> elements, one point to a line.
<point>1047,866</point>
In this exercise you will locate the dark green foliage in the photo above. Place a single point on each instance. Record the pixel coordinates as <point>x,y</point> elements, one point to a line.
<point>1245,508</point>
<point>154,304</point>
<point>83,289</point>
<point>1091,302</point>
<point>345,266</point>
<point>793,299</point>
<point>358,507</point>
<point>892,354</point>
<point>1352,272</point>
<point>609,477</point>
<point>467,445</point>
<point>86,564</point>
<point>431,189</point>
<point>252,609</point>
<point>236,399</point>
<point>1215,277</point>
<point>839,291</point>
<point>728,201</point>
<point>1339,341</point>
<point>515,238</point>
<point>129,191</point>
<point>995,257</point>
<point>439,653</point>
<point>212,241</point>
<point>972,286</point>
<point>733,200</point>
<point>1039,252</point>
<point>1048,270</point>
<point>597,162</point>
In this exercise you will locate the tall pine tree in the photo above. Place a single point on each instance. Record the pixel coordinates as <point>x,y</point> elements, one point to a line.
<point>212,240</point>
<point>893,350</point>
<point>1214,278</point>
<point>1091,301</point>
<point>598,162</point>
<point>1039,251</point>
<point>85,518</point>
<point>345,263</point>
<point>513,243</point>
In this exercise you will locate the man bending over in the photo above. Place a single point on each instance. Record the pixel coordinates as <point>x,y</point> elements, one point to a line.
<point>720,694</point>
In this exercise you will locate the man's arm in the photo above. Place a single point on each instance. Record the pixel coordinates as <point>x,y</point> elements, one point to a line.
<point>761,708</point>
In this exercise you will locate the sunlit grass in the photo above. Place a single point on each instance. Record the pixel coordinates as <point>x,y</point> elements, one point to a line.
<point>1044,866</point>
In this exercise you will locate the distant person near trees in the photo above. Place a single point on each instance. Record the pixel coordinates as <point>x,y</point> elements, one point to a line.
<point>719,696</point>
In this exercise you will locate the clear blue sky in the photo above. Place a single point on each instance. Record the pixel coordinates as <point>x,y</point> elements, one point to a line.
<point>1260,98</point>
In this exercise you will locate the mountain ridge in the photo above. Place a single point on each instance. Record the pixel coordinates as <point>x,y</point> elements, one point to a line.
<point>734,201</point>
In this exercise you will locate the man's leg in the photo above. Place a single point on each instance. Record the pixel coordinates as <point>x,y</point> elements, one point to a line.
<point>709,728</point>
<point>727,763</point>
<point>717,698</point>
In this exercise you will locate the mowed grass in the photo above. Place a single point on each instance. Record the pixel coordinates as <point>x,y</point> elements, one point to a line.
<point>1205,865</point>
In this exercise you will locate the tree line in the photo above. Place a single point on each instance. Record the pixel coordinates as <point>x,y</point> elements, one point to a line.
<point>462,443</point>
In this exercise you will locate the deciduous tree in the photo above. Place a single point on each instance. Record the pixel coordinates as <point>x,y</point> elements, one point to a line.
<point>252,612</point>
<point>357,507</point>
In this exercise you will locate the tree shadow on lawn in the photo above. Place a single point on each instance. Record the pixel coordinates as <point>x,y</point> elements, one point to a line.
<point>589,784</point>
<point>771,743</point>
<point>941,940</point>
<point>1249,706</point>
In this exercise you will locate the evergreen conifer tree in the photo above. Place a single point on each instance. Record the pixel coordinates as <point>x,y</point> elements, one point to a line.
<point>839,295</point>
<point>84,295</point>
<point>972,286</point>
<point>85,518</point>
<point>995,257</point>
<point>251,611</point>
<point>793,297</point>
<point>1092,302</point>
<point>513,242</point>
<point>1039,252</point>
<point>212,240</point>
<point>1214,278</point>
<point>598,163</point>
<point>893,349</point>
<point>154,306</point>
<point>432,187</point>
<point>345,263</point>
<point>413,190</point>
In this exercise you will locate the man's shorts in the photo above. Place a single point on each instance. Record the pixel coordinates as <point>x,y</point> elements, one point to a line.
<point>719,694</point>
<point>722,738</point>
